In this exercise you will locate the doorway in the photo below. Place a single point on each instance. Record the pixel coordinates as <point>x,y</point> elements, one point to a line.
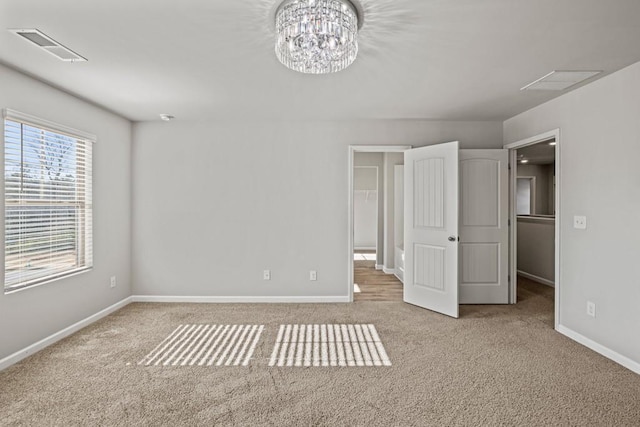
<point>430,269</point>
<point>534,207</point>
<point>372,271</point>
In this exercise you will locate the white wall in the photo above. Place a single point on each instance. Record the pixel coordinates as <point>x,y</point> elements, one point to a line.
<point>365,216</point>
<point>365,207</point>
<point>390,161</point>
<point>365,178</point>
<point>398,210</point>
<point>600,178</point>
<point>536,248</point>
<point>216,203</point>
<point>32,314</point>
<point>373,160</point>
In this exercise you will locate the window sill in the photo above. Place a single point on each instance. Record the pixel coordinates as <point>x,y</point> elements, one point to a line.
<point>18,288</point>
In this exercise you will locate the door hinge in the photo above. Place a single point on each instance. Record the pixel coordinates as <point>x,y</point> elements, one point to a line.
<point>509,166</point>
<point>509,222</point>
<point>509,279</point>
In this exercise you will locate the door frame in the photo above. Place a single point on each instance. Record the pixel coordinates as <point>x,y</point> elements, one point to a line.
<point>512,147</point>
<point>352,150</point>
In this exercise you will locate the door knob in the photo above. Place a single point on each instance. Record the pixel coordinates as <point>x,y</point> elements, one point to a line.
<point>452,238</point>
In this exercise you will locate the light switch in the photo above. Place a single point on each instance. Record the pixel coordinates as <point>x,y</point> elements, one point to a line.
<point>580,222</point>
<point>591,309</point>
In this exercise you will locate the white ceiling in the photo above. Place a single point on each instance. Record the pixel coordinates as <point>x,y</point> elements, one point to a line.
<point>538,154</point>
<point>419,59</point>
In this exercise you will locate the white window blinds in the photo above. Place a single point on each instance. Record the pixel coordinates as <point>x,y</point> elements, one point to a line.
<point>48,211</point>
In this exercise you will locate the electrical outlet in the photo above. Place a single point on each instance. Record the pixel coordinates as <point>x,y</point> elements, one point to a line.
<point>313,275</point>
<point>113,281</point>
<point>580,222</point>
<point>266,275</point>
<point>591,309</point>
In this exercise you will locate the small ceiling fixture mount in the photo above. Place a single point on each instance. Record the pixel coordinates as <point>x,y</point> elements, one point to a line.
<point>317,36</point>
<point>166,117</point>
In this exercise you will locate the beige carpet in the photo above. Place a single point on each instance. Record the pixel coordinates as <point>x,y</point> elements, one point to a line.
<point>497,365</point>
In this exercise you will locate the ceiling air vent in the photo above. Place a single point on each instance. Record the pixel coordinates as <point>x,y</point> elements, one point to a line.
<point>560,80</point>
<point>48,44</point>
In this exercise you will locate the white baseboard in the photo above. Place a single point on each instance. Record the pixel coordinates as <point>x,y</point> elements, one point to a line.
<point>599,348</point>
<point>364,248</point>
<point>51,339</point>
<point>386,270</point>
<point>244,300</point>
<point>537,278</point>
<point>379,266</point>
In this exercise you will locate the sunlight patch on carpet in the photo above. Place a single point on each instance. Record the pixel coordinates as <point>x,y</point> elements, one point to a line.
<point>328,345</point>
<point>356,288</point>
<point>206,345</point>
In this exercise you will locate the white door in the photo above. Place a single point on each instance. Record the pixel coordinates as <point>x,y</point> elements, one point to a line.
<point>431,227</point>
<point>484,230</point>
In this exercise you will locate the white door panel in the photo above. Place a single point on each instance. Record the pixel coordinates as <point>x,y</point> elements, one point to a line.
<point>431,228</point>
<point>484,232</point>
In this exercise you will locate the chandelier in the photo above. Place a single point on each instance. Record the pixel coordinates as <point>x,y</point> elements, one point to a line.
<point>317,36</point>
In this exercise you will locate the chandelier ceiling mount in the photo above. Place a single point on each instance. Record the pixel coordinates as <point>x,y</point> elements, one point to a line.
<point>317,36</point>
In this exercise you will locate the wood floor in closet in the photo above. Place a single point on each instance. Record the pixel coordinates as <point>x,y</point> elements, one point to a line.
<point>374,284</point>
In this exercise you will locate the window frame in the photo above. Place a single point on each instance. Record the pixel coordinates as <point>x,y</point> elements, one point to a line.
<point>85,253</point>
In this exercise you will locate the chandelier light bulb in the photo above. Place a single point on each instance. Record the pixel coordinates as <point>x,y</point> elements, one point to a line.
<point>317,36</point>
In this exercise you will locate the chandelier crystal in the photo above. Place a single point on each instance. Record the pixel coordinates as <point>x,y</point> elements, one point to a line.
<point>317,36</point>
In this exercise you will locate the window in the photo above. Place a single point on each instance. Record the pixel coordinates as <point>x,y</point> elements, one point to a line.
<point>47,194</point>
<point>525,195</point>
